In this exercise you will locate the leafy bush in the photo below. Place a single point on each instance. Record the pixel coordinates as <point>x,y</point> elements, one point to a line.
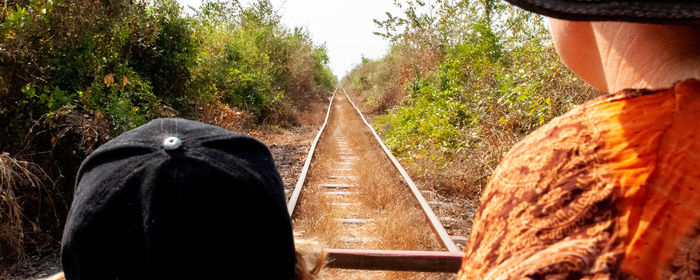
<point>74,73</point>
<point>253,62</point>
<point>167,60</point>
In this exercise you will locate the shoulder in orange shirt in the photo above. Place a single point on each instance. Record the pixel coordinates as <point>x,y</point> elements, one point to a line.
<point>609,190</point>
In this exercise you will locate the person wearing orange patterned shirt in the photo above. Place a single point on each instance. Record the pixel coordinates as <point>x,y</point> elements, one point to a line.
<point>611,189</point>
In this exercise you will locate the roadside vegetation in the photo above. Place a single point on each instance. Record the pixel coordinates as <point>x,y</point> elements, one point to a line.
<point>462,82</point>
<point>76,73</point>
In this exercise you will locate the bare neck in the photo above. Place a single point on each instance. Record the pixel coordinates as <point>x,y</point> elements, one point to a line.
<point>650,56</point>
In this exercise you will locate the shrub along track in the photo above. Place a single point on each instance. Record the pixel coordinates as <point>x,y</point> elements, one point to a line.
<point>355,197</point>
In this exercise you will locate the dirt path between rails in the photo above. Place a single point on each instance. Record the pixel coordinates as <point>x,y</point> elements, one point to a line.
<point>354,198</point>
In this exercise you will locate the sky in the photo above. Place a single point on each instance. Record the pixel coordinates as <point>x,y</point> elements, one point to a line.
<point>345,26</point>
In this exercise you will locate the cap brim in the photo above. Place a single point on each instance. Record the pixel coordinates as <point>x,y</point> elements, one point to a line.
<point>659,12</point>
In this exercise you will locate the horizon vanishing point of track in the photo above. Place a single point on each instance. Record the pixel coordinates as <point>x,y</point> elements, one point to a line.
<point>353,197</point>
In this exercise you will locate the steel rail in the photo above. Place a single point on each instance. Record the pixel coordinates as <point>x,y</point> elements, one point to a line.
<point>420,261</point>
<point>435,224</point>
<point>302,176</point>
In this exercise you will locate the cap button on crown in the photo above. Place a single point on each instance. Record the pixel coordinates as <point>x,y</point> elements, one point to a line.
<point>172,143</point>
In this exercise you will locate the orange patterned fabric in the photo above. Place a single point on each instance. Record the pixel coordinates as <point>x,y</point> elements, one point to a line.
<point>610,190</point>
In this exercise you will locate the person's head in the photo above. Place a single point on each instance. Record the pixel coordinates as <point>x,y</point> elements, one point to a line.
<point>176,199</point>
<point>615,45</point>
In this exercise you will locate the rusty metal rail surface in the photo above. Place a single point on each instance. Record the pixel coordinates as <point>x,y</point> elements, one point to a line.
<point>420,261</point>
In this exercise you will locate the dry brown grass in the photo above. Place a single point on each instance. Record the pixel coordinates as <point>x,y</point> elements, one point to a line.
<point>315,112</point>
<point>19,181</point>
<point>36,184</point>
<point>221,115</point>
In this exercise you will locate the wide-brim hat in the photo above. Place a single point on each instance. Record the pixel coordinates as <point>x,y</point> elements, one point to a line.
<point>643,11</point>
<point>178,199</point>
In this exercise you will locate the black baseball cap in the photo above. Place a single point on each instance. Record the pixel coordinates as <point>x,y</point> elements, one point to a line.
<point>178,199</point>
<point>644,11</point>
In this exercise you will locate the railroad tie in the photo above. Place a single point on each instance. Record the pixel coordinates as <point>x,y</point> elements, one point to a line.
<point>338,186</point>
<point>350,239</point>
<point>353,221</point>
<point>462,240</point>
<point>340,193</point>
<point>448,219</point>
<point>437,204</point>
<point>343,204</point>
<point>347,157</point>
<point>342,177</point>
<point>448,222</point>
<point>427,194</point>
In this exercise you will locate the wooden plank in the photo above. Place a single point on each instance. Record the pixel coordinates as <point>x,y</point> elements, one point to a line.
<point>339,193</point>
<point>350,239</point>
<point>422,261</point>
<point>342,177</point>
<point>432,218</point>
<point>342,169</point>
<point>343,204</point>
<point>351,158</point>
<point>460,240</point>
<point>302,176</point>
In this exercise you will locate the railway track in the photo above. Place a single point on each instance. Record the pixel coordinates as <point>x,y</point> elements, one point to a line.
<point>354,197</point>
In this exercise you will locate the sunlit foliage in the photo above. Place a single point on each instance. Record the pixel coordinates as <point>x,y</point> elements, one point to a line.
<point>253,62</point>
<point>463,81</point>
